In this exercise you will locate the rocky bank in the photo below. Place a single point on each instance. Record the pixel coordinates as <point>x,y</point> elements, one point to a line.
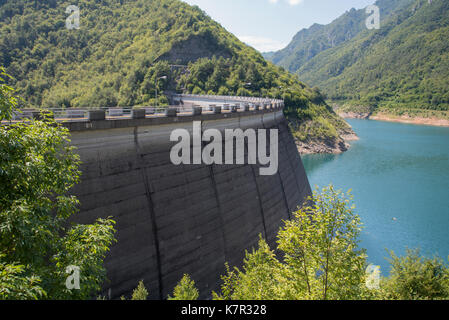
<point>328,146</point>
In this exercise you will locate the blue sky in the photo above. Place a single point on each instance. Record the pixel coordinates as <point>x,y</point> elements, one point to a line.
<point>270,24</point>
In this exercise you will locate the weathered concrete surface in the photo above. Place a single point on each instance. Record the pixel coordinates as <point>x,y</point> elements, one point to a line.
<point>173,220</point>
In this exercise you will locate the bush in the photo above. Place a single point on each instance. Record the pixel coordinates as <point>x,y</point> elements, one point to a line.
<point>185,290</point>
<point>38,167</point>
<point>413,277</point>
<point>140,293</point>
<point>321,258</point>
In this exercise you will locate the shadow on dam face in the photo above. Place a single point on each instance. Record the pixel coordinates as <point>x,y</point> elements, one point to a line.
<point>186,219</point>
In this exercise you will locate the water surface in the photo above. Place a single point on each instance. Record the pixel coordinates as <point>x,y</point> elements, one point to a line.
<point>399,176</point>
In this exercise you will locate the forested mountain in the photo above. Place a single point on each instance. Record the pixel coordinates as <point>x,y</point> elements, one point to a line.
<point>307,43</point>
<point>123,46</point>
<point>402,68</point>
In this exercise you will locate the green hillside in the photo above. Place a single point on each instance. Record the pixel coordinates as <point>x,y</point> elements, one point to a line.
<point>123,46</point>
<point>402,68</point>
<point>307,43</point>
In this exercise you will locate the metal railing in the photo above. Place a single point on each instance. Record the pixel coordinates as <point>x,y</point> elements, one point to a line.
<point>210,105</point>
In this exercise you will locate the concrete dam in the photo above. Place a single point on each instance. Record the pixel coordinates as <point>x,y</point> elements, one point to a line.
<point>171,219</point>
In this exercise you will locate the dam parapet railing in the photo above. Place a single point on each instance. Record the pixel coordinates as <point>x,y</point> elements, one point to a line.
<point>184,105</point>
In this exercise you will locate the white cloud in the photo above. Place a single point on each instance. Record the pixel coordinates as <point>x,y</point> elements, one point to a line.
<point>263,44</point>
<point>291,2</point>
<point>294,2</point>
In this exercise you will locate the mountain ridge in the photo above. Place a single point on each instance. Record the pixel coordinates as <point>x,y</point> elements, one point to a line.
<point>309,42</point>
<point>400,69</point>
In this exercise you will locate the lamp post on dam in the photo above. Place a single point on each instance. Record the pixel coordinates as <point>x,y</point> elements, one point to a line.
<point>157,79</point>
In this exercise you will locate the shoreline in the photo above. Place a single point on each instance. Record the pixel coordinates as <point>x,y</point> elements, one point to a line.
<point>325,147</point>
<point>436,122</point>
<point>411,120</point>
<point>343,145</point>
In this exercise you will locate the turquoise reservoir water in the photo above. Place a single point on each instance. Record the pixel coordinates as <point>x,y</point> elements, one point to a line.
<point>399,174</point>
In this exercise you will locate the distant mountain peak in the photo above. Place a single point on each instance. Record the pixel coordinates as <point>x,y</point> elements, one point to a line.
<point>402,66</point>
<point>309,42</point>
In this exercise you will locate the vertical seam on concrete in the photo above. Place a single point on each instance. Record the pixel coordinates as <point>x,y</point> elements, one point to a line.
<point>290,163</point>
<point>307,184</point>
<point>220,211</point>
<point>262,213</point>
<point>284,196</point>
<point>260,202</point>
<point>152,214</point>
<point>280,178</point>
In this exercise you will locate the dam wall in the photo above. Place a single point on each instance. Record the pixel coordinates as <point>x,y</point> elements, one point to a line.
<point>187,219</point>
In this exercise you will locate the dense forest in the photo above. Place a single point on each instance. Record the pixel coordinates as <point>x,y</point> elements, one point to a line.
<point>400,68</point>
<point>123,46</point>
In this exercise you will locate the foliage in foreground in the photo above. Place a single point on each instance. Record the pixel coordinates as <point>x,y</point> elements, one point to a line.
<point>140,293</point>
<point>321,260</point>
<point>185,290</point>
<point>37,169</point>
<point>416,278</point>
